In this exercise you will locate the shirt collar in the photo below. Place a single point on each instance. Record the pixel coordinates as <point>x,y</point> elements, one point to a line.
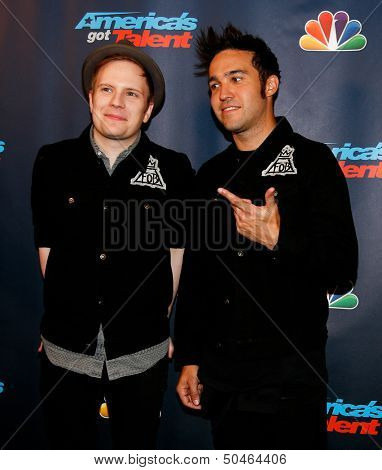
<point>101,154</point>
<point>281,130</point>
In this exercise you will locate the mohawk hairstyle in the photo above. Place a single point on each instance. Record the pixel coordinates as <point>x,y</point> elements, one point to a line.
<point>209,43</point>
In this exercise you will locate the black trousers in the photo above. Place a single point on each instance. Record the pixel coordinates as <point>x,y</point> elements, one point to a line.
<point>71,401</point>
<point>294,424</point>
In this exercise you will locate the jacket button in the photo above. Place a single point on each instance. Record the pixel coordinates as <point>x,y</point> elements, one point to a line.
<point>100,301</point>
<point>105,207</point>
<point>102,256</point>
<point>147,206</point>
<point>240,253</point>
<point>226,300</point>
<point>71,200</point>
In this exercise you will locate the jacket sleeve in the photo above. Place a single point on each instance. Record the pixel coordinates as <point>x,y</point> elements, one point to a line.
<point>177,212</point>
<point>191,309</point>
<point>42,201</point>
<point>190,314</point>
<point>323,245</point>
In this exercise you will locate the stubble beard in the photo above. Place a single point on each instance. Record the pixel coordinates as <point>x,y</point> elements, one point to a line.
<point>234,128</point>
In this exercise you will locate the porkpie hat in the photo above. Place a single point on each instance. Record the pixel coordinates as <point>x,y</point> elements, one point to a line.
<point>127,49</point>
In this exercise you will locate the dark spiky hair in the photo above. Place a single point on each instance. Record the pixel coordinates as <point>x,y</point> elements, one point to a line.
<point>209,43</point>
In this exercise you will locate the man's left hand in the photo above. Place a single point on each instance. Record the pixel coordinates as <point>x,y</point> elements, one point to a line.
<point>261,224</point>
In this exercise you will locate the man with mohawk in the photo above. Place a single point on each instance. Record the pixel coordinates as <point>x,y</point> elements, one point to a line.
<point>251,317</point>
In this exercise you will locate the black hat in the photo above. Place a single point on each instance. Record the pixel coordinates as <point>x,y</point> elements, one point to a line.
<point>127,49</point>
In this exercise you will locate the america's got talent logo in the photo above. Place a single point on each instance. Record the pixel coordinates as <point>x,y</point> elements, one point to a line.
<point>143,30</point>
<point>358,162</point>
<point>347,418</point>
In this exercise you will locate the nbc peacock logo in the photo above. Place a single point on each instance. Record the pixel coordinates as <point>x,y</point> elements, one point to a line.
<point>333,33</point>
<point>103,410</point>
<point>348,301</point>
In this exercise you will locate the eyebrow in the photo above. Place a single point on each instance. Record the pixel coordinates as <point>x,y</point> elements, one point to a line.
<point>228,74</point>
<point>128,88</point>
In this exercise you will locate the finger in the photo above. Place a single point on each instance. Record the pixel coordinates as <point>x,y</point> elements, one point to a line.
<point>244,210</point>
<point>239,221</point>
<point>244,206</point>
<point>195,393</point>
<point>239,227</point>
<point>191,404</point>
<point>270,197</point>
<point>238,218</point>
<point>243,216</point>
<point>235,201</point>
<point>185,398</point>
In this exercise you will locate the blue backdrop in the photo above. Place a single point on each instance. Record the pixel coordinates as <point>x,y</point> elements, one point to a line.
<point>331,95</point>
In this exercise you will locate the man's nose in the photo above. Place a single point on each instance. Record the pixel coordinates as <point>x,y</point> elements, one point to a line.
<point>225,92</point>
<point>117,99</point>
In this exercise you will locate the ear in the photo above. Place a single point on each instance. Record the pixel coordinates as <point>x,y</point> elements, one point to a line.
<point>271,86</point>
<point>91,100</point>
<point>148,112</point>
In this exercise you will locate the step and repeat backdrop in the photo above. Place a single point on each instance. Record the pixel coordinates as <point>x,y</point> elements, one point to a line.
<point>330,57</point>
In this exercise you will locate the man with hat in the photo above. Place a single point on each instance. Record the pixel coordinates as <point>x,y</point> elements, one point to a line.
<point>110,274</point>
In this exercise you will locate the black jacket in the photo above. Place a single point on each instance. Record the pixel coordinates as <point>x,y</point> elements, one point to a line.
<point>242,307</point>
<point>103,266</point>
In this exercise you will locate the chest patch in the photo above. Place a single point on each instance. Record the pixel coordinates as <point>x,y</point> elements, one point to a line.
<point>283,164</point>
<point>150,177</point>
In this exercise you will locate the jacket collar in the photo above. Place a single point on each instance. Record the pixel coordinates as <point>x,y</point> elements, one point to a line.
<point>279,133</point>
<point>140,154</point>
